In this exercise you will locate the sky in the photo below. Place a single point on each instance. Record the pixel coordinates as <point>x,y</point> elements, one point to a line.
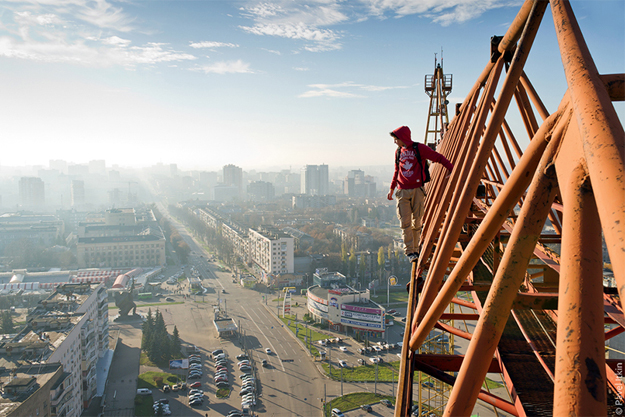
<point>259,84</point>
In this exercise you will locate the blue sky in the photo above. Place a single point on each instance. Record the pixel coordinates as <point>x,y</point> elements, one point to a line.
<point>259,84</point>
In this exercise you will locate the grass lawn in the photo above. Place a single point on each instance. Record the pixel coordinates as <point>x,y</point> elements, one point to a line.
<point>395,297</point>
<point>222,393</point>
<point>143,405</point>
<point>155,380</point>
<point>144,360</point>
<point>302,333</point>
<point>365,372</point>
<point>355,400</point>
<point>114,307</point>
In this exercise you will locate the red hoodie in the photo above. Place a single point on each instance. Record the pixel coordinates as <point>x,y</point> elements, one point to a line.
<point>408,174</point>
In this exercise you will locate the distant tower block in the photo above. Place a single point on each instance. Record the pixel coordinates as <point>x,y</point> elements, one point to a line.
<point>438,87</point>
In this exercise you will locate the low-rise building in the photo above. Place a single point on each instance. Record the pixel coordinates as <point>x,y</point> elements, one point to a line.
<point>347,310</point>
<point>126,238</point>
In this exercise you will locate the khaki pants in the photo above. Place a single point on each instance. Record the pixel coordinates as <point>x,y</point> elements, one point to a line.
<point>409,212</point>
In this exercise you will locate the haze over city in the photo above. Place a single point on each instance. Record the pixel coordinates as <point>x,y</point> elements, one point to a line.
<point>262,85</point>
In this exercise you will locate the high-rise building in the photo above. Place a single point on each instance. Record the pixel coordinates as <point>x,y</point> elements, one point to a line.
<point>78,192</point>
<point>315,180</point>
<point>32,192</point>
<point>66,334</point>
<point>97,166</point>
<point>233,176</point>
<point>261,190</point>
<point>357,184</point>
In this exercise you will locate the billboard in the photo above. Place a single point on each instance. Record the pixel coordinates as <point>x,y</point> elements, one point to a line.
<point>361,309</point>
<point>360,316</point>
<point>179,364</point>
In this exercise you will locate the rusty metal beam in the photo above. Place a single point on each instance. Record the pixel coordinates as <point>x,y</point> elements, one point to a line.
<point>603,138</point>
<point>450,363</point>
<point>580,378</point>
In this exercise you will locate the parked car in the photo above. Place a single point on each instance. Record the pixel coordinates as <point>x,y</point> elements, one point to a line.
<point>195,391</point>
<point>268,351</point>
<point>264,362</point>
<point>387,403</point>
<point>175,388</point>
<point>323,342</point>
<point>222,385</point>
<point>375,360</point>
<point>194,376</point>
<point>361,361</point>
<point>342,364</point>
<point>197,384</point>
<point>243,362</point>
<point>144,391</point>
<point>195,403</point>
<point>343,348</point>
<point>166,388</point>
<point>162,401</point>
<point>242,356</point>
<point>366,407</point>
<point>217,352</point>
<point>169,299</point>
<point>337,413</point>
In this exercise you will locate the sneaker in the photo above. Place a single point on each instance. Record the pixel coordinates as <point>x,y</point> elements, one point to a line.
<point>413,257</point>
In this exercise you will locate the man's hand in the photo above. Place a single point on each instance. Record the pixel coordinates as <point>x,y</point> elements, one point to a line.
<point>389,196</point>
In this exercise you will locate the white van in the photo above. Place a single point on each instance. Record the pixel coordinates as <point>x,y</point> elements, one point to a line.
<point>144,391</point>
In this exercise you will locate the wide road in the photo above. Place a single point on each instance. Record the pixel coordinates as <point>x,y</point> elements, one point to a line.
<point>290,384</point>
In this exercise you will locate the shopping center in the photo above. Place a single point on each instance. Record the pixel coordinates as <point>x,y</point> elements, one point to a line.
<point>347,310</point>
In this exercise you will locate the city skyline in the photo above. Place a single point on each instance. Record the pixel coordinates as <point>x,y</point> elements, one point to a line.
<point>261,85</point>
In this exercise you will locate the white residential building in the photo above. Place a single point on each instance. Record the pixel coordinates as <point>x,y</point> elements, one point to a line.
<point>272,250</point>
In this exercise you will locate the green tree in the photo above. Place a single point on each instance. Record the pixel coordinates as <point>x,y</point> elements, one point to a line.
<point>175,342</point>
<point>362,268</point>
<point>381,260</point>
<point>148,328</point>
<point>352,263</point>
<point>7,323</point>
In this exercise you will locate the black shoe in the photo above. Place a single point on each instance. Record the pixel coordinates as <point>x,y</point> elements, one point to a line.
<point>413,257</point>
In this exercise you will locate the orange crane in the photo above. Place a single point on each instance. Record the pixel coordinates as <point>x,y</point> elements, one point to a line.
<point>522,232</point>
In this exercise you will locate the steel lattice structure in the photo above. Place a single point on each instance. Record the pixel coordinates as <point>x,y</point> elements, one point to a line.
<point>523,231</point>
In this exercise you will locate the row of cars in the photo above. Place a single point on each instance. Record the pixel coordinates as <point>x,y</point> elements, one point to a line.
<point>248,382</point>
<point>326,342</point>
<point>195,366</point>
<point>378,348</point>
<point>221,378</point>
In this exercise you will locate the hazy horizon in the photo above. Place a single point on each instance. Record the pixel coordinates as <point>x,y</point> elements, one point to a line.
<point>257,84</point>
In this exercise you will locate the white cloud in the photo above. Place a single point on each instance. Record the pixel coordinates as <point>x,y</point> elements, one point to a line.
<point>444,12</point>
<point>115,52</point>
<point>294,20</point>
<point>226,67</point>
<point>209,44</point>
<point>334,90</point>
<point>301,69</point>
<point>116,41</point>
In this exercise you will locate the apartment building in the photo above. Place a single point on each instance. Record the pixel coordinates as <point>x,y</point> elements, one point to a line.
<point>68,329</point>
<point>29,390</point>
<point>272,250</point>
<point>38,229</point>
<point>125,238</point>
<point>315,180</point>
<point>269,248</point>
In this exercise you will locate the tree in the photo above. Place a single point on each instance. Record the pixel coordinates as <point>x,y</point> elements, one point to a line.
<point>362,268</point>
<point>352,263</point>
<point>381,260</point>
<point>175,342</point>
<point>148,328</point>
<point>7,323</point>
